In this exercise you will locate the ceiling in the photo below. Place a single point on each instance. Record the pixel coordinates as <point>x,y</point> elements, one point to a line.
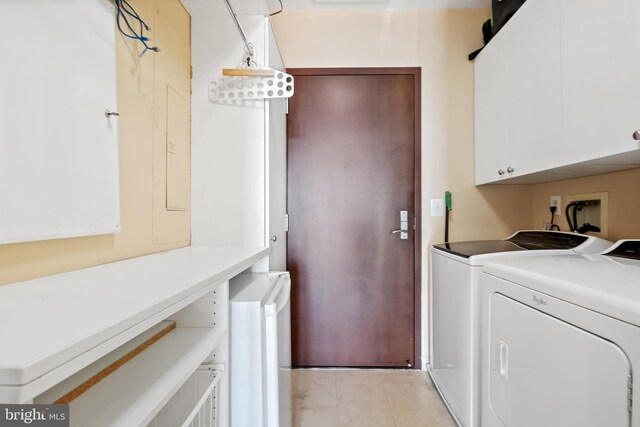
<point>382,4</point>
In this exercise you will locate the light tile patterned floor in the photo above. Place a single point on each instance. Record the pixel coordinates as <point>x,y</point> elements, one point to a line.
<point>366,398</point>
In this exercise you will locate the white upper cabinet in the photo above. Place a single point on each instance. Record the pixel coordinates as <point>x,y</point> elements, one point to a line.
<point>556,93</point>
<point>518,105</point>
<point>491,115</point>
<point>534,65</point>
<point>601,76</point>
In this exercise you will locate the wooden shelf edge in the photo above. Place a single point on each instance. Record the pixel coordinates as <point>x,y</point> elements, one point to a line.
<point>76,380</point>
<point>135,393</point>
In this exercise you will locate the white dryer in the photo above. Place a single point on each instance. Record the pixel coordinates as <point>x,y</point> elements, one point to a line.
<point>561,340</point>
<point>455,308</point>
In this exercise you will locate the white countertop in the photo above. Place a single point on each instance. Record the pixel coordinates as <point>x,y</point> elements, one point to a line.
<point>48,321</point>
<point>604,284</point>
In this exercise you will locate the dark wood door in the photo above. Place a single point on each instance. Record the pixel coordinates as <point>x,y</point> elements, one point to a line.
<point>352,144</point>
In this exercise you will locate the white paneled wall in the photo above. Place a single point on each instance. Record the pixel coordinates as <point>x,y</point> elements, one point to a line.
<point>228,141</point>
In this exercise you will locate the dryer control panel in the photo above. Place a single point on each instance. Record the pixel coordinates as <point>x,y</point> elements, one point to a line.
<point>626,249</point>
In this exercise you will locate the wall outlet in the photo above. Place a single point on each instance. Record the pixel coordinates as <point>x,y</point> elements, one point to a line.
<point>557,202</point>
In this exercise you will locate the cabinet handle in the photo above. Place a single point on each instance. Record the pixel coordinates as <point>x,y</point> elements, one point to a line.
<point>501,172</point>
<point>510,170</point>
<point>636,135</point>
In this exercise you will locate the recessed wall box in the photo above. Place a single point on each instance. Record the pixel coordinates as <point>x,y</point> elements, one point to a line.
<point>593,211</point>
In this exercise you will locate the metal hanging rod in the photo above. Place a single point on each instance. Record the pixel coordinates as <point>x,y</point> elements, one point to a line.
<point>248,46</point>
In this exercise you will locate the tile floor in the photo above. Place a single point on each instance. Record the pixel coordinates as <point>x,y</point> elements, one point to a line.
<point>366,398</point>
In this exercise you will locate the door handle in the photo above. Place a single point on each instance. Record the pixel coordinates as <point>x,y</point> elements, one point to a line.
<point>504,360</point>
<point>404,226</point>
<point>404,234</point>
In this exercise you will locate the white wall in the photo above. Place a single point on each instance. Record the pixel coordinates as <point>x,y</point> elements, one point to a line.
<point>228,154</point>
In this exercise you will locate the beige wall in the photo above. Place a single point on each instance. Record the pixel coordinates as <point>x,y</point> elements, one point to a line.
<point>438,40</point>
<point>624,200</point>
<point>136,91</point>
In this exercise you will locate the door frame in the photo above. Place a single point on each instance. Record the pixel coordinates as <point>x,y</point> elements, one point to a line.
<point>416,72</point>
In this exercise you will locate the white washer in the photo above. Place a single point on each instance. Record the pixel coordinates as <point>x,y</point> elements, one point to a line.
<point>561,340</point>
<point>455,308</point>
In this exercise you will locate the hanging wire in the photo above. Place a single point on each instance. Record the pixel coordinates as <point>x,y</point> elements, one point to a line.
<point>248,46</point>
<point>125,12</point>
<point>281,8</point>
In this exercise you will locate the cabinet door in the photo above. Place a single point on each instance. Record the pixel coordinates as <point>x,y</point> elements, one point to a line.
<point>492,85</point>
<point>277,164</point>
<point>517,87</point>
<point>535,114</point>
<point>600,71</point>
<point>276,121</point>
<point>545,372</point>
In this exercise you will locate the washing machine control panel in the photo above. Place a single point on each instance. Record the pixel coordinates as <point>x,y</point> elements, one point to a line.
<point>537,239</point>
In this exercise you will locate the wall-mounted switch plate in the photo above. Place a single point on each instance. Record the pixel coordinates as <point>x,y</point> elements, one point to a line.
<point>437,207</point>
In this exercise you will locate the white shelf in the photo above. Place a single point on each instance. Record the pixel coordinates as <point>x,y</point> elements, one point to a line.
<point>196,404</point>
<point>135,393</point>
<point>60,324</point>
<point>76,380</point>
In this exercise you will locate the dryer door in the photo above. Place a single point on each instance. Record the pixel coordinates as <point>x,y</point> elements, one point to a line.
<point>545,372</point>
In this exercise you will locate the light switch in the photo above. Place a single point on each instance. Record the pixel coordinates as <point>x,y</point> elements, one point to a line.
<point>437,207</point>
